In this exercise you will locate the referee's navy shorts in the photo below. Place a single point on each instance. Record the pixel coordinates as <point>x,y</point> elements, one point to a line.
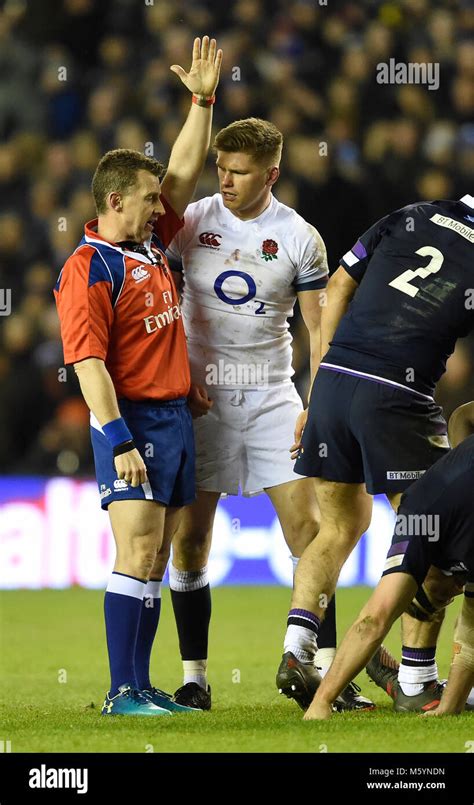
<point>164,436</point>
<point>361,431</point>
<point>435,520</point>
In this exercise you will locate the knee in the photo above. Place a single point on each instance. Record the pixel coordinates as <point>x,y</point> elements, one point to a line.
<point>434,595</point>
<point>300,532</point>
<point>191,548</point>
<point>351,530</point>
<point>340,536</point>
<point>138,556</point>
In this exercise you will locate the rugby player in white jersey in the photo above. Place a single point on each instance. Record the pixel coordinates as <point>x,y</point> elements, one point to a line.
<point>245,259</point>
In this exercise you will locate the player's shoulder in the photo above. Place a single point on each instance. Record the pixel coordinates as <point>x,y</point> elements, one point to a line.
<point>203,207</point>
<point>423,208</point>
<point>82,254</point>
<point>294,223</point>
<point>391,222</point>
<point>97,261</point>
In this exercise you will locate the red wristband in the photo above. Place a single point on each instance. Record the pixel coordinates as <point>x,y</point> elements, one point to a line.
<point>200,100</point>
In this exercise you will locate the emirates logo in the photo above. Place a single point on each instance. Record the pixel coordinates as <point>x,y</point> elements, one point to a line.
<point>211,239</point>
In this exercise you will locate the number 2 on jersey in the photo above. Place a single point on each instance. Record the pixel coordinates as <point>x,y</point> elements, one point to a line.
<point>402,282</point>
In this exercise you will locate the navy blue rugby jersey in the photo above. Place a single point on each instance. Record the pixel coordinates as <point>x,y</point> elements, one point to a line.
<point>415,269</point>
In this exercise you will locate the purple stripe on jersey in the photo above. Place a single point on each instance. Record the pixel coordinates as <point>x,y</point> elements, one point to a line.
<point>359,250</point>
<point>398,548</point>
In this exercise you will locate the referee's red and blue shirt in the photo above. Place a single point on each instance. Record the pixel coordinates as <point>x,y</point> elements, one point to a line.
<point>121,306</point>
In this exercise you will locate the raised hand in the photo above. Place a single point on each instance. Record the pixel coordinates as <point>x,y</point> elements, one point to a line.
<point>203,76</point>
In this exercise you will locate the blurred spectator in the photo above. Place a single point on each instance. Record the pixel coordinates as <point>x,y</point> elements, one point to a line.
<point>62,445</point>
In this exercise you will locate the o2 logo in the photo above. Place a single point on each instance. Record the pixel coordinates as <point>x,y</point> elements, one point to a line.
<point>240,300</point>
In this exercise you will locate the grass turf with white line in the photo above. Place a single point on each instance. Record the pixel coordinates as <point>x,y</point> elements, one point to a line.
<point>48,636</point>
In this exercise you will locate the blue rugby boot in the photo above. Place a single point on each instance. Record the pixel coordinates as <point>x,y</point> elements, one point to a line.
<point>131,702</point>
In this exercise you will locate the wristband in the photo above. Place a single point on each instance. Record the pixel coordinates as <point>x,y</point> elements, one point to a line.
<point>125,447</point>
<point>201,100</point>
<point>117,432</point>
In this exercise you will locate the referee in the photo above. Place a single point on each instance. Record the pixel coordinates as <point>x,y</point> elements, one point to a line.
<point>121,328</point>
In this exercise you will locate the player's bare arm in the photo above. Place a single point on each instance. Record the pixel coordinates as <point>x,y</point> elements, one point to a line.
<point>340,290</point>
<point>461,674</point>
<point>310,303</point>
<point>99,393</point>
<point>390,598</point>
<point>461,424</point>
<point>192,144</point>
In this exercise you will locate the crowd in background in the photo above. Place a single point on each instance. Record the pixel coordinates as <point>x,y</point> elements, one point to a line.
<point>78,77</point>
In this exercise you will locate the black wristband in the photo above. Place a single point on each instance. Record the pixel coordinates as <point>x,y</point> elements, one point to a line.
<point>125,447</point>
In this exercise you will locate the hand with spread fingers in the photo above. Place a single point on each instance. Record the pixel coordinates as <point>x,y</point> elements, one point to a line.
<point>203,76</point>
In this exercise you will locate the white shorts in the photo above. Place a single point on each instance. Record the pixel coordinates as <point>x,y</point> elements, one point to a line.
<point>244,441</point>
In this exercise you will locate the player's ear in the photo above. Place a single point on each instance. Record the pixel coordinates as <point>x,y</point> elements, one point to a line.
<point>273,174</point>
<point>114,202</point>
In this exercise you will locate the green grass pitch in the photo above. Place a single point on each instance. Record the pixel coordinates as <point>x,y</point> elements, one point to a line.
<point>54,676</point>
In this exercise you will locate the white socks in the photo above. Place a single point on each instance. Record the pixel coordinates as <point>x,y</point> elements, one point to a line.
<point>185,581</point>
<point>323,660</point>
<point>301,642</point>
<point>195,671</point>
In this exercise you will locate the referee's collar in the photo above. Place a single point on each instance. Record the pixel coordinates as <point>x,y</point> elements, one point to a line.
<point>90,231</point>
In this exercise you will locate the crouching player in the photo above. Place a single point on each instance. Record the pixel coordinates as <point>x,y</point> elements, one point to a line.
<point>425,568</point>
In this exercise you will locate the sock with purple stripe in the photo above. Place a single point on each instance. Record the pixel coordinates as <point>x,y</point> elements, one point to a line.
<point>301,634</point>
<point>122,610</point>
<point>418,666</point>
<point>149,620</point>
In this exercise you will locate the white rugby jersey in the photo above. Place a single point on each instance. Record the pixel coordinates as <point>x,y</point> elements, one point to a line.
<point>240,285</point>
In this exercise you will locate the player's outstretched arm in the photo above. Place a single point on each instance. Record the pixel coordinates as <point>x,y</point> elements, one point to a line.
<point>461,424</point>
<point>99,393</point>
<point>340,290</point>
<point>189,152</point>
<point>461,674</point>
<point>390,598</point>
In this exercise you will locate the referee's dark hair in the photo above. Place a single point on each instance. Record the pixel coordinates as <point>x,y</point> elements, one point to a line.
<point>117,172</point>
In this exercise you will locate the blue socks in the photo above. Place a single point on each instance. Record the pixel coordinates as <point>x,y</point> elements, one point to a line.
<point>123,604</point>
<point>150,617</point>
